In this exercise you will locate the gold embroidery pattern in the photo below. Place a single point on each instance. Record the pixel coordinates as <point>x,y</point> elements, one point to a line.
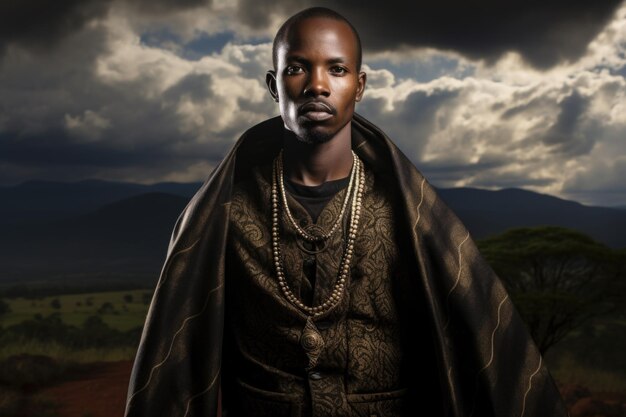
<point>358,347</point>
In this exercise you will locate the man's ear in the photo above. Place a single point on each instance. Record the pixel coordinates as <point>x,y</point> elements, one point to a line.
<point>361,86</point>
<point>270,80</point>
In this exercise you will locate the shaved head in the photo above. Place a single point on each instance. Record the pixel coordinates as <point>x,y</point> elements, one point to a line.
<point>313,12</point>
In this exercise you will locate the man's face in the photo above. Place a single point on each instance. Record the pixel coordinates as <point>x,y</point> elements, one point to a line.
<point>316,79</point>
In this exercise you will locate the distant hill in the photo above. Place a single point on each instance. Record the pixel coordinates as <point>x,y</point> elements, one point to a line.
<point>128,238</point>
<point>51,200</point>
<point>102,230</point>
<point>487,213</point>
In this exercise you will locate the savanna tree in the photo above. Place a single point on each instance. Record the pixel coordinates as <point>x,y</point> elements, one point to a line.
<point>558,278</point>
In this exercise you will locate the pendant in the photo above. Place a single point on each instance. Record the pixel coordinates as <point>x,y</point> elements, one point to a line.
<point>312,342</point>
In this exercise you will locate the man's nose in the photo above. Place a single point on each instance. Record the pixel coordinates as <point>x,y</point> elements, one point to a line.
<point>318,83</point>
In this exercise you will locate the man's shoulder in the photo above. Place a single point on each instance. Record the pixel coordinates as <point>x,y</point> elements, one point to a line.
<point>260,130</point>
<point>257,146</point>
<point>252,187</point>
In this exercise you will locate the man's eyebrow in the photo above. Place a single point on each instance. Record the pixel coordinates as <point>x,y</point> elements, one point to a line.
<point>299,58</point>
<point>296,58</point>
<point>338,60</point>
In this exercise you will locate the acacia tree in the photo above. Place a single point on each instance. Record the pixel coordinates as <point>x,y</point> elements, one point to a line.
<point>558,278</point>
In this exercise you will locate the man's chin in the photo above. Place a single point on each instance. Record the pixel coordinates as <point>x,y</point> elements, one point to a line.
<point>309,134</point>
<point>314,136</point>
<point>315,139</point>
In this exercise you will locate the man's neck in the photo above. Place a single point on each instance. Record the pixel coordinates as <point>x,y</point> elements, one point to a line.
<point>314,164</point>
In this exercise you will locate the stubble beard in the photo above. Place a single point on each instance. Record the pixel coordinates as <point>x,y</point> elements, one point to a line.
<point>314,136</point>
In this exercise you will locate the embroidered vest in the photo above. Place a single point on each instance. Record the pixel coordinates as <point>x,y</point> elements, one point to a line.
<point>362,367</point>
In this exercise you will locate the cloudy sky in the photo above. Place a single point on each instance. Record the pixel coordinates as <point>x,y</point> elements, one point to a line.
<point>475,94</point>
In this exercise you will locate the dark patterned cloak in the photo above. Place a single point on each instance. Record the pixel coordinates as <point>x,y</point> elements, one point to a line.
<point>488,364</point>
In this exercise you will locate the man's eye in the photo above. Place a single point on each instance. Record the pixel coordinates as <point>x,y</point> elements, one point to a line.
<point>292,69</point>
<point>339,70</point>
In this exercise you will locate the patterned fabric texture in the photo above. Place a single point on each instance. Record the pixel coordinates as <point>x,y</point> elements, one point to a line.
<point>468,331</point>
<point>363,368</point>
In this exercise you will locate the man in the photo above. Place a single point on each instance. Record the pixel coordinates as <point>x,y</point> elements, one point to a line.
<point>316,273</point>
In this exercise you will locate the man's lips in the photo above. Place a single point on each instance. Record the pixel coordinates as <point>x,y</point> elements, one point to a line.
<point>316,111</point>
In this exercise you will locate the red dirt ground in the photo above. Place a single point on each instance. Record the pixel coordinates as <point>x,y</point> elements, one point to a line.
<point>101,392</point>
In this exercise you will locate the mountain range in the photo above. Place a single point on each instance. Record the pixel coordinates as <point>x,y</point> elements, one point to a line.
<point>96,230</point>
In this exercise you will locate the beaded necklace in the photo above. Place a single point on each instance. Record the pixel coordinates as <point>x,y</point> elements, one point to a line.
<point>303,233</point>
<point>358,173</point>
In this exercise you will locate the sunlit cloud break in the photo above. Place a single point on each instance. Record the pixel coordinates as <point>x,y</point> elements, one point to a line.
<point>151,96</point>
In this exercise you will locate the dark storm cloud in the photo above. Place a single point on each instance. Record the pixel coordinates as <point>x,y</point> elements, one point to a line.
<point>447,174</point>
<point>195,86</point>
<point>41,24</point>
<point>64,123</point>
<point>567,134</point>
<point>55,148</point>
<point>56,154</point>
<point>543,32</point>
<point>164,6</point>
<point>512,180</point>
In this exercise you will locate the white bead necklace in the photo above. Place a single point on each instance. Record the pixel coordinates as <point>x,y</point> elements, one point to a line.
<point>344,267</point>
<point>305,235</point>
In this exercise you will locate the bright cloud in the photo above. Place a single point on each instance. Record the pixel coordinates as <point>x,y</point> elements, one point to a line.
<point>115,106</point>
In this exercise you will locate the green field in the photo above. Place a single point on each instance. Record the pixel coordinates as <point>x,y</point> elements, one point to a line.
<point>121,310</point>
<point>591,356</point>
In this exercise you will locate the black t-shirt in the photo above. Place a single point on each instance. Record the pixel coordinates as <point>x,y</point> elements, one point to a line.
<point>315,197</point>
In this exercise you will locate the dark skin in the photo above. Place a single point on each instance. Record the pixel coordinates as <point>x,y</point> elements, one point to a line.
<point>317,63</point>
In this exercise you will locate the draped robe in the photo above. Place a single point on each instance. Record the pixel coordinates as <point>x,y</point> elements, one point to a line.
<point>487,363</point>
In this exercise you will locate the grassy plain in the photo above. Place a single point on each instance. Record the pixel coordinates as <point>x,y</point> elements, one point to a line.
<point>121,310</point>
<point>590,356</point>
